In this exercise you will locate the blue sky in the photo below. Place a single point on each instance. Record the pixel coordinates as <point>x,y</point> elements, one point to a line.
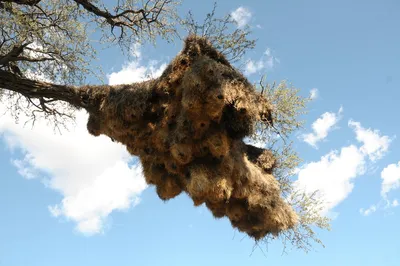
<point>79,200</point>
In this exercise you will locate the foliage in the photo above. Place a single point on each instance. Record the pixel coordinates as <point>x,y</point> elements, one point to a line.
<point>231,41</point>
<point>49,40</point>
<point>288,107</point>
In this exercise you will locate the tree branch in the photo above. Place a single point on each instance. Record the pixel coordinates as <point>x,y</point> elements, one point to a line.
<point>14,53</point>
<point>22,2</point>
<point>96,11</point>
<point>76,96</point>
<point>129,18</point>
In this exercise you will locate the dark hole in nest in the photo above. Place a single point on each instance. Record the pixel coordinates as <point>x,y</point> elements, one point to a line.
<point>187,175</point>
<point>254,219</point>
<point>202,125</point>
<point>184,62</point>
<point>230,120</point>
<point>148,150</point>
<point>253,152</point>
<point>150,117</point>
<point>166,144</point>
<point>85,99</point>
<point>257,234</point>
<point>159,166</point>
<point>235,223</point>
<point>206,161</point>
<point>164,177</point>
<point>154,95</point>
<point>112,93</point>
<point>171,93</point>
<point>216,160</point>
<point>172,125</point>
<point>220,97</point>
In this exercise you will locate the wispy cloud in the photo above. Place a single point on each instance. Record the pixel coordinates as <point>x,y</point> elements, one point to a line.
<point>390,179</point>
<point>314,93</point>
<point>369,210</point>
<point>333,175</point>
<point>266,62</point>
<point>395,203</point>
<point>242,16</point>
<point>374,145</point>
<point>384,204</point>
<point>321,127</point>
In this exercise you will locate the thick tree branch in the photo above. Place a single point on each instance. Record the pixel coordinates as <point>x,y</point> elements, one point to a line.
<point>76,96</point>
<point>134,20</point>
<point>22,2</point>
<point>28,59</point>
<point>13,54</point>
<point>96,11</point>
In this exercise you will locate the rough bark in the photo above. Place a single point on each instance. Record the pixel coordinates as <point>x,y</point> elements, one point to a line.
<point>76,96</point>
<point>22,2</point>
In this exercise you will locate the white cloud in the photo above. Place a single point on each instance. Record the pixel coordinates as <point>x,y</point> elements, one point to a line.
<point>374,145</point>
<point>267,61</point>
<point>135,50</point>
<point>253,67</point>
<point>390,178</point>
<point>321,127</point>
<point>368,211</point>
<point>242,16</point>
<point>135,71</point>
<point>384,204</point>
<point>314,93</point>
<point>94,175</point>
<point>333,175</point>
<point>23,166</point>
<point>116,188</point>
<point>395,203</point>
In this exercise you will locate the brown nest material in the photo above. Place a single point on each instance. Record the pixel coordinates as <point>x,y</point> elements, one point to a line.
<point>187,127</point>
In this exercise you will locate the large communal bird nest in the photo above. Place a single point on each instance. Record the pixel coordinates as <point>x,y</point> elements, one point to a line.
<point>187,127</point>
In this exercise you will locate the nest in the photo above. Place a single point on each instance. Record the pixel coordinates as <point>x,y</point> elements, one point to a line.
<point>187,127</point>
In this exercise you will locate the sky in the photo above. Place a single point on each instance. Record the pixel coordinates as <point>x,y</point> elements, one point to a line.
<point>75,199</point>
